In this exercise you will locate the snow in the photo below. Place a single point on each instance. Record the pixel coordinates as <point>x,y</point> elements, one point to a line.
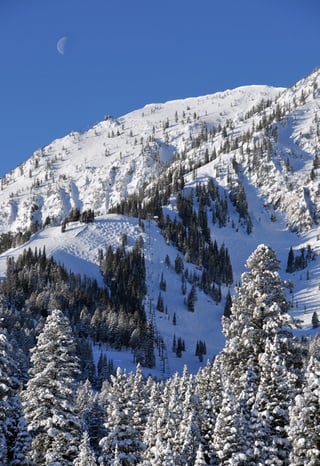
<point>77,248</point>
<point>97,168</point>
<point>114,158</point>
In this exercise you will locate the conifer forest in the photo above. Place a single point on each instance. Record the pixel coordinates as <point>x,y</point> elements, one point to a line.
<point>182,236</point>
<point>256,403</point>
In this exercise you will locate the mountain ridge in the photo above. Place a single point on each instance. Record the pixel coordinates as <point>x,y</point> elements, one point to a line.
<point>254,146</point>
<point>137,143</point>
<point>115,158</point>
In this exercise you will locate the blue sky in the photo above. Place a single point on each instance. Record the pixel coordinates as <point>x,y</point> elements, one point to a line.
<point>121,55</point>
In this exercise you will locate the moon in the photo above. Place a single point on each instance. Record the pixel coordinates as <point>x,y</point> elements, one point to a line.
<point>61,44</point>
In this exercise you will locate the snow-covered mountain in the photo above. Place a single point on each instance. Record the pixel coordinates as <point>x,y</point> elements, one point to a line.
<point>117,157</point>
<point>260,141</point>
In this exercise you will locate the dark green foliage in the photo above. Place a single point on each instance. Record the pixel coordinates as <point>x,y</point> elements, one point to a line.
<point>228,305</point>
<point>180,347</point>
<point>185,207</point>
<point>74,215</point>
<point>44,283</point>
<point>105,369</point>
<point>192,237</point>
<point>35,284</point>
<point>12,240</point>
<point>178,264</point>
<point>290,262</point>
<point>124,274</point>
<point>174,319</point>
<point>87,216</point>
<point>167,261</point>
<point>201,349</point>
<point>160,304</point>
<point>239,199</point>
<point>191,299</point>
<point>301,261</point>
<point>315,320</point>
<point>163,283</point>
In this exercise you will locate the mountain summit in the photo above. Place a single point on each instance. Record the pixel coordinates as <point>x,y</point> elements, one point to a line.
<point>272,134</point>
<point>200,182</point>
<point>117,157</point>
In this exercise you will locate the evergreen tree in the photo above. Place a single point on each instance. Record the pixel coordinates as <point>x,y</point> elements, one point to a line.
<point>154,408</point>
<point>200,460</point>
<point>122,432</point>
<point>84,397</point>
<point>273,398</point>
<point>174,320</point>
<point>228,305</point>
<point>163,283</point>
<point>102,370</point>
<point>91,409</point>
<point>19,439</point>
<point>49,399</point>
<point>257,313</point>
<point>303,429</point>
<point>189,428</point>
<point>160,304</point>
<point>13,435</point>
<point>178,264</point>
<point>191,299</point>
<point>227,432</point>
<point>86,456</point>
<point>94,421</point>
<point>257,402</point>
<point>315,320</point>
<point>290,263</point>
<point>251,427</point>
<point>209,392</point>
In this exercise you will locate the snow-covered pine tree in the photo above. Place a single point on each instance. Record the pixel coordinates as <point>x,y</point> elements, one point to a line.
<point>261,300</point>
<point>85,396</point>
<point>161,437</point>
<point>274,396</point>
<point>209,390</point>
<point>49,399</point>
<point>19,439</point>
<point>227,432</point>
<point>94,419</point>
<point>92,413</point>
<point>247,451</point>
<point>189,437</point>
<point>138,400</point>
<point>200,460</point>
<point>258,319</point>
<point>154,407</point>
<point>304,415</point>
<point>86,456</point>
<point>6,394</point>
<point>121,433</point>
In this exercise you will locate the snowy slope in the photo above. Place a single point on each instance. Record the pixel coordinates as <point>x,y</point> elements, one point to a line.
<point>77,249</point>
<point>98,168</point>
